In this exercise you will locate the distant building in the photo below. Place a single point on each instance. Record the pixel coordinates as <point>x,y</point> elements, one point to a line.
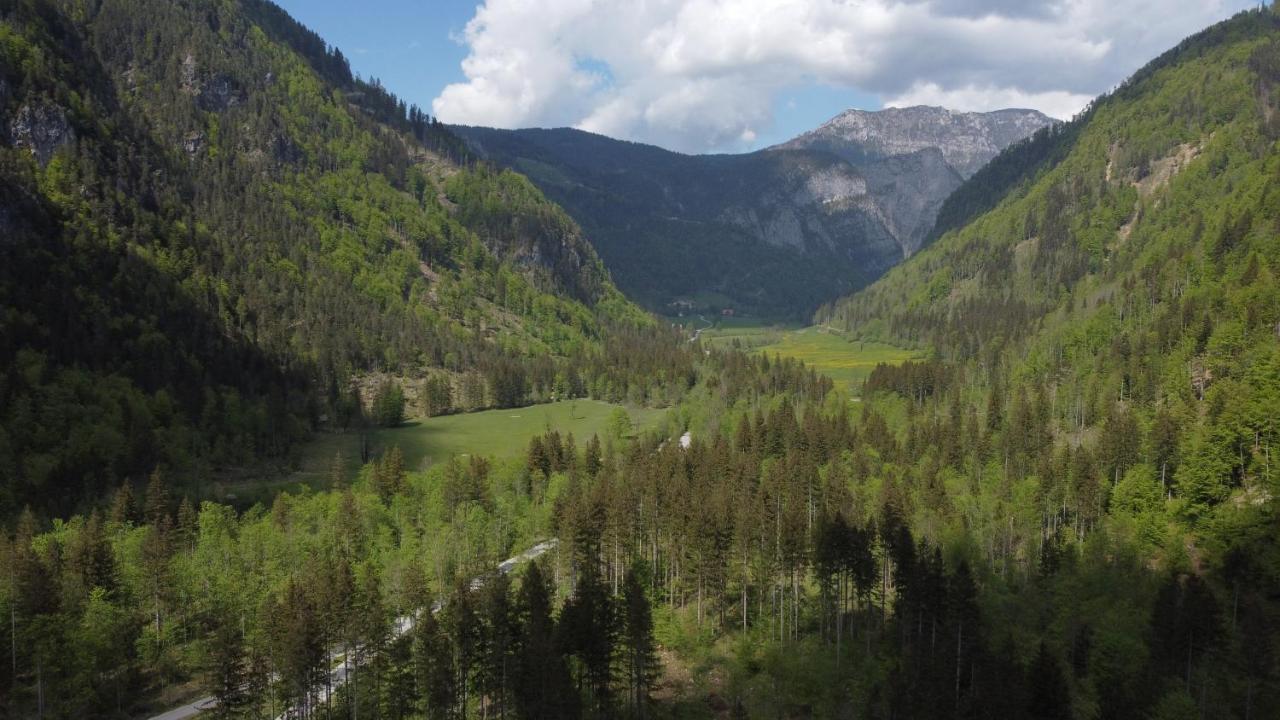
<point>727,312</point>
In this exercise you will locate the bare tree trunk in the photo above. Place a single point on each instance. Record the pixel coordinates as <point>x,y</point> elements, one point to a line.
<point>1235,606</point>
<point>839,616</point>
<point>159,642</point>
<point>795,607</point>
<point>39,686</point>
<point>699,598</point>
<point>1248,700</point>
<point>959,646</point>
<point>870,616</point>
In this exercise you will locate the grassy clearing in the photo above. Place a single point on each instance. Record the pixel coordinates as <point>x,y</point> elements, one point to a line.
<point>491,433</point>
<point>847,362</point>
<point>426,441</point>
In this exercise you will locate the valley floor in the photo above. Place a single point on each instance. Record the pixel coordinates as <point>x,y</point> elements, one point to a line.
<point>847,362</point>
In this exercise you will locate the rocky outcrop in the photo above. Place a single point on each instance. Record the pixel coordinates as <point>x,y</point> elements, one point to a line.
<point>219,93</point>
<point>41,128</point>
<point>193,143</point>
<point>967,140</point>
<point>214,92</point>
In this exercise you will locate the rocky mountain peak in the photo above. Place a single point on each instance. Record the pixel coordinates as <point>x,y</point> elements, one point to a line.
<point>968,140</point>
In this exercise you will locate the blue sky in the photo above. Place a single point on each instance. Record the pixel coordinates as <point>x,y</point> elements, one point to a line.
<point>736,75</point>
<point>414,47</point>
<point>404,43</point>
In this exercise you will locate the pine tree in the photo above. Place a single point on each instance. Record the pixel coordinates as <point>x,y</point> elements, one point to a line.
<point>36,604</point>
<point>337,471</point>
<point>462,626</point>
<point>90,558</point>
<point>496,643</point>
<point>639,650</point>
<point>433,668</point>
<point>1050,696</point>
<point>371,624</point>
<point>157,549</point>
<point>227,666</point>
<point>297,644</point>
<point>157,499</point>
<point>542,685</point>
<point>122,505</point>
<point>536,457</point>
<point>589,631</point>
<point>592,456</point>
<point>389,475</point>
<point>188,524</point>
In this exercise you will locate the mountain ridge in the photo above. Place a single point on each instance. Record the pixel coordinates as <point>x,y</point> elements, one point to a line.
<point>971,138</point>
<point>774,232</point>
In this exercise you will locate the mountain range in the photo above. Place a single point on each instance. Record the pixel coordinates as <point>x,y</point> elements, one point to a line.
<point>774,232</point>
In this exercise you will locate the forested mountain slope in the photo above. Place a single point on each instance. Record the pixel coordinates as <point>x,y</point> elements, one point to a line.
<point>1106,372</point>
<point>774,232</point>
<point>209,226</point>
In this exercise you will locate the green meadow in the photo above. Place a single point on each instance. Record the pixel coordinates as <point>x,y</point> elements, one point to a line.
<point>427,441</point>
<point>490,433</point>
<point>847,362</point>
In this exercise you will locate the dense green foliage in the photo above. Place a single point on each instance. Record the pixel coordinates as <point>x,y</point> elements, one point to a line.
<point>107,608</point>
<point>210,227</point>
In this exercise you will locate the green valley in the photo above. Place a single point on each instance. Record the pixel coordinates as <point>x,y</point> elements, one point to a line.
<point>310,412</point>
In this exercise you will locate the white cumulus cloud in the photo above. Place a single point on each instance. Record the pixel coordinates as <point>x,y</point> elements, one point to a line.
<point>699,75</point>
<point>1054,103</point>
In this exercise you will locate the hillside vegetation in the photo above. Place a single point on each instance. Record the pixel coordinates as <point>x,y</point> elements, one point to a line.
<point>1106,343</point>
<point>210,227</point>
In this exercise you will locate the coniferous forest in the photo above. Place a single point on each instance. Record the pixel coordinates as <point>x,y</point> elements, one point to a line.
<point>218,244</point>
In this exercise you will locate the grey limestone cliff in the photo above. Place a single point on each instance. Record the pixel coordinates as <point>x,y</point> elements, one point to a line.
<point>967,140</point>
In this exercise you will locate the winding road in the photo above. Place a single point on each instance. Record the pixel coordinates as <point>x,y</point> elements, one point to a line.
<point>698,333</point>
<point>338,675</point>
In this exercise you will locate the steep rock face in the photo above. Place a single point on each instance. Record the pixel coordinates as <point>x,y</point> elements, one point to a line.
<point>967,140</point>
<point>908,190</point>
<point>41,128</point>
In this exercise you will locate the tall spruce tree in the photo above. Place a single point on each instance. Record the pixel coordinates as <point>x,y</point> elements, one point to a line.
<point>639,651</point>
